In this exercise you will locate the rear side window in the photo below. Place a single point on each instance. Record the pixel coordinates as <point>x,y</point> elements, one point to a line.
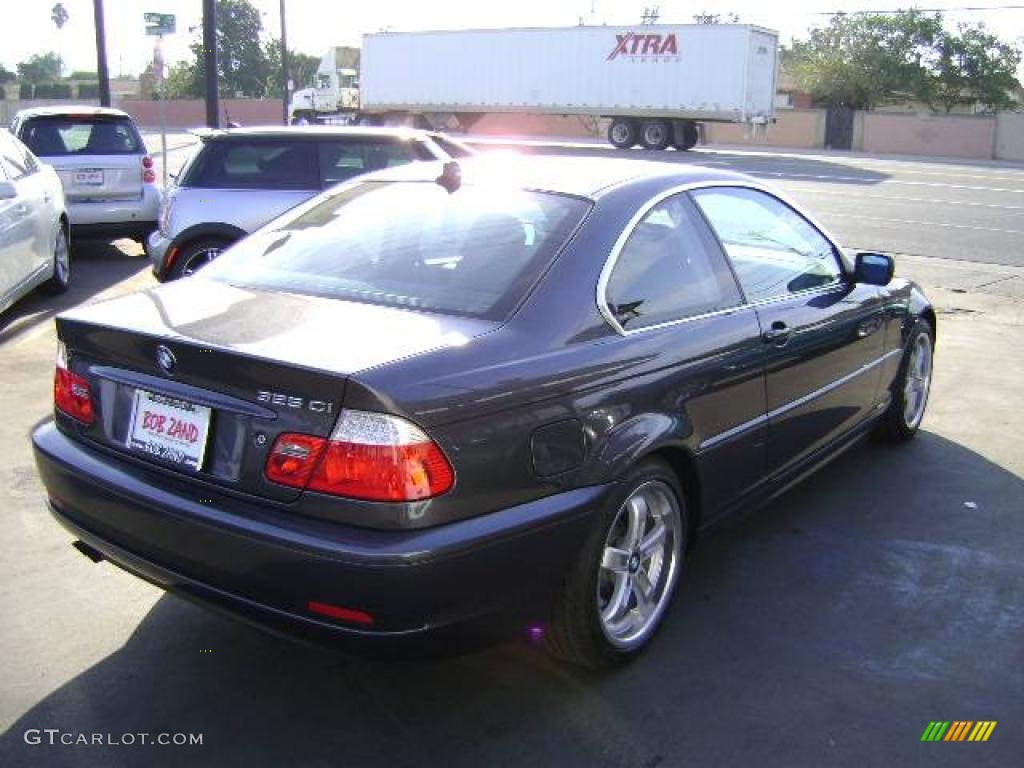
<point>475,252</point>
<point>342,160</point>
<point>774,249</point>
<point>55,136</point>
<point>255,164</point>
<point>668,270</point>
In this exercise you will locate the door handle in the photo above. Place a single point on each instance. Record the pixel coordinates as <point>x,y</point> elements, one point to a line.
<point>778,334</point>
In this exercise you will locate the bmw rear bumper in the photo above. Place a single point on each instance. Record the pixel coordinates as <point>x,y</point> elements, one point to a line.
<point>264,565</point>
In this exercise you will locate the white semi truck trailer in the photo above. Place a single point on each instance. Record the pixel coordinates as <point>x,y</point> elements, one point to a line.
<point>654,83</point>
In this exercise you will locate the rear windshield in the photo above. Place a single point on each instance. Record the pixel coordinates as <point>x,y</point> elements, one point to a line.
<point>474,252</point>
<point>81,135</point>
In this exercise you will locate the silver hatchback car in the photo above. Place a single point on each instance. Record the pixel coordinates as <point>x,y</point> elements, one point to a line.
<point>108,177</point>
<point>241,178</point>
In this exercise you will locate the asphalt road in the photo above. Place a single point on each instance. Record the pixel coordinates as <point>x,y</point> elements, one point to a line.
<point>827,629</point>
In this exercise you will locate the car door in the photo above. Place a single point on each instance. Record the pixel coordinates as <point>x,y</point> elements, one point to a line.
<point>823,334</point>
<point>21,217</point>
<point>40,191</point>
<point>247,180</point>
<point>671,292</point>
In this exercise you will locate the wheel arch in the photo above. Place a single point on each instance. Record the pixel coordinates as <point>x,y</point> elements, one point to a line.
<point>218,230</point>
<point>645,436</point>
<point>684,466</point>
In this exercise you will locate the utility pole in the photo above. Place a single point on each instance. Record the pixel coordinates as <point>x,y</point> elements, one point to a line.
<point>210,62</point>
<point>101,53</point>
<point>286,83</point>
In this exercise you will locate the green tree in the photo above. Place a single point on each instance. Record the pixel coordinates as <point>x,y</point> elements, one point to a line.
<point>301,67</point>
<point>862,60</point>
<point>6,76</point>
<point>973,66</point>
<point>241,60</point>
<point>40,68</point>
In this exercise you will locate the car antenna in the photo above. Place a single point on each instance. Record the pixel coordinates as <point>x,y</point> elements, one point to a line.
<point>451,176</point>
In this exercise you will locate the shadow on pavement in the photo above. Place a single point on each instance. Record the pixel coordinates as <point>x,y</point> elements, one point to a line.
<point>767,167</point>
<point>829,628</point>
<point>95,267</point>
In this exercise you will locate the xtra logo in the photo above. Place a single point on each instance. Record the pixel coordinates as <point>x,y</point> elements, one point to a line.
<point>632,44</point>
<point>958,730</point>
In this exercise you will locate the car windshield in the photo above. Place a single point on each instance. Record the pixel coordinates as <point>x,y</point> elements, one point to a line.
<point>62,135</point>
<point>474,252</point>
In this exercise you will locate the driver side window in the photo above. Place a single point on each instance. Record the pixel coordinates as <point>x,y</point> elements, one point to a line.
<point>774,250</point>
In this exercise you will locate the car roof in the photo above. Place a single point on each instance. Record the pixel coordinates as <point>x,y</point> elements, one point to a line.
<point>71,109</point>
<point>580,176</point>
<point>312,131</point>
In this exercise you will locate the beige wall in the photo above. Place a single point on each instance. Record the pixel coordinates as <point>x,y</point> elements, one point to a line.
<point>183,113</point>
<point>191,113</point>
<point>1010,136</point>
<point>800,128</point>
<point>949,135</point>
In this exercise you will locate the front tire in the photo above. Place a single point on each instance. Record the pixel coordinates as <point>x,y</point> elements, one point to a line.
<point>61,278</point>
<point>911,387</point>
<point>617,592</point>
<point>623,133</point>
<point>195,256</point>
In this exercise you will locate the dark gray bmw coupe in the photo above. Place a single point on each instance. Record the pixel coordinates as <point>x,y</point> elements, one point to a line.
<point>434,395</point>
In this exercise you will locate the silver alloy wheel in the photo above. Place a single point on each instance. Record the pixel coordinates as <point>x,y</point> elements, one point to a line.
<point>61,258</point>
<point>199,260</point>
<point>639,564</point>
<point>917,381</point>
<point>620,133</point>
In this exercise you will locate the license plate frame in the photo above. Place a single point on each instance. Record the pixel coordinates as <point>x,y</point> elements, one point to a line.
<point>90,177</point>
<point>169,428</point>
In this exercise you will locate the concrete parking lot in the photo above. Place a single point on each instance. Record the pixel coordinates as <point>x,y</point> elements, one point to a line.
<point>827,629</point>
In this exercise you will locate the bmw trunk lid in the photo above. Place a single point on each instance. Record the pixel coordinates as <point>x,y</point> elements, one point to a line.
<point>200,377</point>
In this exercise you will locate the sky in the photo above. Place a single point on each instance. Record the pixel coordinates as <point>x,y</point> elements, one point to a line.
<point>315,25</point>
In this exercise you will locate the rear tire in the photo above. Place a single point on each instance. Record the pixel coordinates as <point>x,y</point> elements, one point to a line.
<point>61,278</point>
<point>655,134</point>
<point>195,256</point>
<point>911,386</point>
<point>620,587</point>
<point>623,133</point>
<point>684,134</point>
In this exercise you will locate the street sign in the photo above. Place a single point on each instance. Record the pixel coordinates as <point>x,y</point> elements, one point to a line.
<point>159,23</point>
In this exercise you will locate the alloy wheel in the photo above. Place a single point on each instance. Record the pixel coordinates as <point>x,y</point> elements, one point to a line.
<point>639,564</point>
<point>918,381</point>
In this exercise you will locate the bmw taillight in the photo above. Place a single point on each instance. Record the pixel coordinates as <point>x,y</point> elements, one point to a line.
<point>148,174</point>
<point>71,394</point>
<point>371,456</point>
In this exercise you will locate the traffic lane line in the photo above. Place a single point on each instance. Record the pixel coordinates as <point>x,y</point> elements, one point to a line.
<point>948,225</point>
<point>817,190</point>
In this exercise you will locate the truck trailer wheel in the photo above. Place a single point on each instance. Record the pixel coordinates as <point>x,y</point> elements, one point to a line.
<point>623,133</point>
<point>655,134</point>
<point>684,134</point>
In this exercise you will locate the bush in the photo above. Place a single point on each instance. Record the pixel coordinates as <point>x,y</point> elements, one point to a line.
<point>53,91</point>
<point>88,90</point>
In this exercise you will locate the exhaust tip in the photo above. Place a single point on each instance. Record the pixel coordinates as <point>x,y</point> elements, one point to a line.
<point>93,554</point>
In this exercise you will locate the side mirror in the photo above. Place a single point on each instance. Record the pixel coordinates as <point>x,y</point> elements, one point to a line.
<point>8,191</point>
<point>874,268</point>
